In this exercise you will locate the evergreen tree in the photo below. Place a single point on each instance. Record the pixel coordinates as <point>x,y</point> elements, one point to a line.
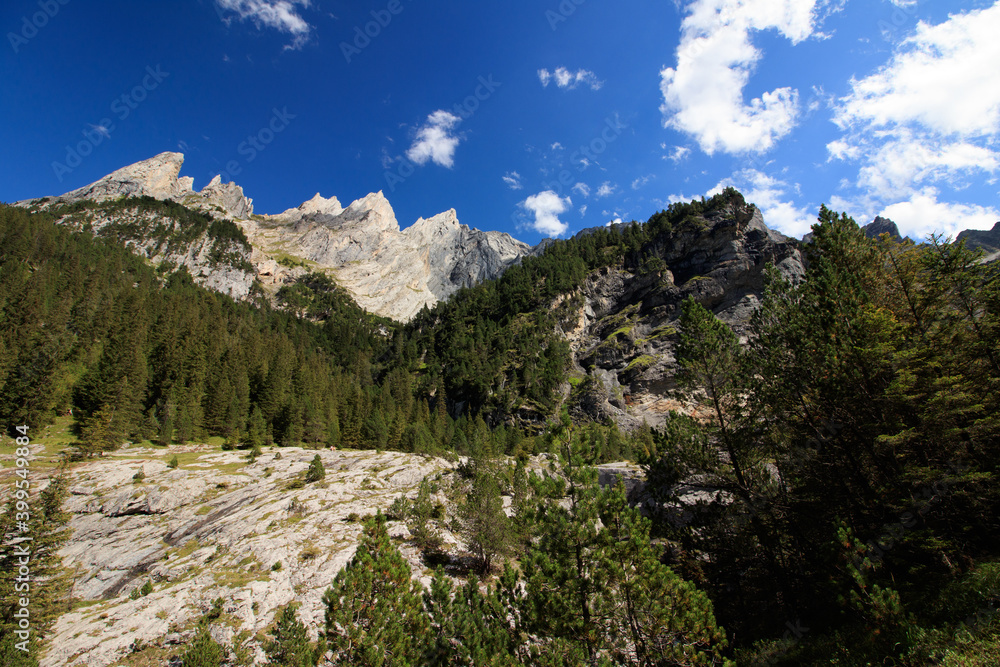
<point>654,616</point>
<point>595,594</point>
<point>47,585</point>
<point>256,428</point>
<point>374,614</point>
<point>484,525</point>
<point>316,471</point>
<point>709,356</point>
<point>467,626</point>
<point>290,646</point>
<point>204,651</point>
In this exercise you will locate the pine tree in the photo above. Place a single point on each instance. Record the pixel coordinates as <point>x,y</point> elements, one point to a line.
<point>485,527</point>
<point>290,646</point>
<point>316,471</point>
<point>654,616</point>
<point>564,591</point>
<point>709,356</point>
<point>467,626</point>
<point>47,585</point>
<point>204,651</point>
<point>374,614</point>
<point>594,593</point>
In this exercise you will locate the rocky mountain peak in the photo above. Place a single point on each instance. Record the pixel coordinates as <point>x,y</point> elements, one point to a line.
<point>388,271</point>
<point>375,211</point>
<point>986,240</point>
<point>880,226</point>
<point>320,205</point>
<point>227,196</point>
<point>156,177</point>
<point>438,225</point>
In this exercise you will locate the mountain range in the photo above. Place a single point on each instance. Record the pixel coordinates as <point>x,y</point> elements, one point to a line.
<point>388,271</point>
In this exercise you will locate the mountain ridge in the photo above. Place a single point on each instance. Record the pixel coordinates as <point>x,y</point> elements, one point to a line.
<point>389,271</point>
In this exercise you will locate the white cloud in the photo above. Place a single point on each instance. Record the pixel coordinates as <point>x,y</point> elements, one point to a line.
<point>900,165</point>
<point>513,180</point>
<point>679,154</point>
<point>103,130</point>
<point>435,141</point>
<point>943,78</point>
<point>280,15</point>
<point>642,181</point>
<point>928,119</point>
<point>703,94</point>
<point>582,188</point>
<point>557,146</point>
<point>583,210</point>
<point>606,189</point>
<point>564,78</point>
<point>547,206</point>
<point>923,214</point>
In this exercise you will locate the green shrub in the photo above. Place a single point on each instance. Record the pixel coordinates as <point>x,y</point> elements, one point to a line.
<point>204,651</point>
<point>316,470</point>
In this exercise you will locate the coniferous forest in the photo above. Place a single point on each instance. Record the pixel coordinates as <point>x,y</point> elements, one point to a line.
<point>849,455</point>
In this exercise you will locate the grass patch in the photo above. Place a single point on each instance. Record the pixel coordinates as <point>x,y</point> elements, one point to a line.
<point>641,363</point>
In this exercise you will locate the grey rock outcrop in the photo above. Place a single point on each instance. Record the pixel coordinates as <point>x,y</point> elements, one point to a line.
<point>389,271</point>
<point>213,527</point>
<point>880,226</point>
<point>220,526</point>
<point>624,331</point>
<point>986,240</point>
<point>159,178</point>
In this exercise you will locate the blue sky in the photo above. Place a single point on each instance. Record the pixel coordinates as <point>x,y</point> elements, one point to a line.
<point>538,118</point>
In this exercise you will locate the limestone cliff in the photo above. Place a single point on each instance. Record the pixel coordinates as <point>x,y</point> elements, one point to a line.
<point>389,271</point>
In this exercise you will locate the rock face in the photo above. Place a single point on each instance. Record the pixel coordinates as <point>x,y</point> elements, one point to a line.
<point>158,177</point>
<point>880,226</point>
<point>624,331</point>
<point>987,241</point>
<point>220,526</point>
<point>389,271</point>
<point>215,526</point>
